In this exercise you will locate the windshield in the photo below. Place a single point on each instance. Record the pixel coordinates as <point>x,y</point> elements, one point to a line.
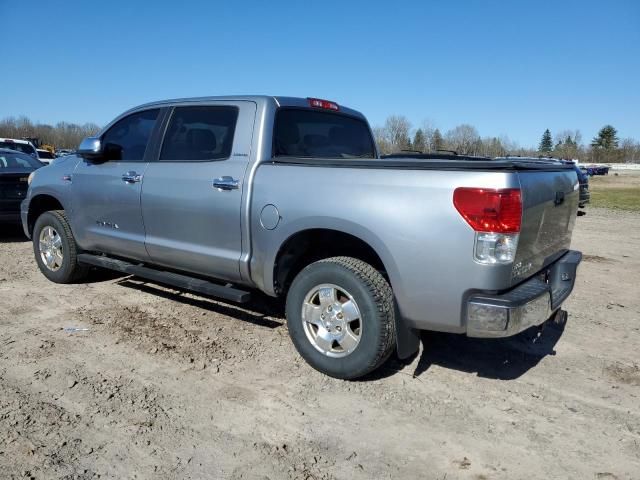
<point>18,160</point>
<point>20,147</point>
<point>316,134</point>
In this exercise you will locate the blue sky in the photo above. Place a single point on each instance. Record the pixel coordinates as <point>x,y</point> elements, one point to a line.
<point>509,68</point>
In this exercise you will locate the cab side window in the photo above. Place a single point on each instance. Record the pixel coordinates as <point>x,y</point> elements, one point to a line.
<point>128,138</point>
<point>200,134</point>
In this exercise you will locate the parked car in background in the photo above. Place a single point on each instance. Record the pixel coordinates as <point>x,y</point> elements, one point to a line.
<point>15,168</point>
<point>583,179</point>
<point>592,170</point>
<point>45,156</point>
<point>19,145</point>
<point>63,151</point>
<point>288,196</point>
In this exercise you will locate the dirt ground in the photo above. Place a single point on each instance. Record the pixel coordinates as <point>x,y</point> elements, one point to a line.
<point>170,385</point>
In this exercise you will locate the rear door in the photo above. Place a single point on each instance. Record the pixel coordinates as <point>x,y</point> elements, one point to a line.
<point>192,195</point>
<point>106,214</point>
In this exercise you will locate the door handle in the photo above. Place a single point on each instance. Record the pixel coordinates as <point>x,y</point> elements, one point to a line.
<point>226,183</point>
<point>131,177</point>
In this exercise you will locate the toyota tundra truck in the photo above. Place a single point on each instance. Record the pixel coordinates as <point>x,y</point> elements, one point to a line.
<point>225,196</point>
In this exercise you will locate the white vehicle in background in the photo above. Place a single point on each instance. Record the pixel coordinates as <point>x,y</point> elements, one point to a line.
<point>63,152</point>
<point>45,156</point>
<point>23,146</point>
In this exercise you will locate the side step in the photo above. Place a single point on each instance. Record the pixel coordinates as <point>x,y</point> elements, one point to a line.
<point>167,278</point>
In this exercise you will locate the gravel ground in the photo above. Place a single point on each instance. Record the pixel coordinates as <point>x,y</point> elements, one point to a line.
<point>171,385</point>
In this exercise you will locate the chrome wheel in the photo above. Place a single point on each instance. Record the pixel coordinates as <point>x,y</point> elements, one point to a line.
<point>331,320</point>
<point>50,246</point>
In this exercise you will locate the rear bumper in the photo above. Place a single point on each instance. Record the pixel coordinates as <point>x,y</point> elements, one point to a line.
<point>530,303</point>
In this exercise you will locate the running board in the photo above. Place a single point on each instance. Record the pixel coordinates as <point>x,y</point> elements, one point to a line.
<point>167,278</point>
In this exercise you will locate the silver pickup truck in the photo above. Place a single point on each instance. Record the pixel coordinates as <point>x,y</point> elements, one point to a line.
<point>225,195</point>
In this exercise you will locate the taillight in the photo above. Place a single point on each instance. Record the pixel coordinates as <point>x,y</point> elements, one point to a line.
<point>490,210</point>
<point>326,104</point>
<point>496,217</point>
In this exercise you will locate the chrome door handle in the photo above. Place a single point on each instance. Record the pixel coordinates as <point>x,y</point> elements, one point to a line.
<point>226,183</point>
<point>131,177</point>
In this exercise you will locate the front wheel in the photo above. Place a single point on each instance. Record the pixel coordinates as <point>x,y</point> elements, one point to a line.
<point>55,248</point>
<point>341,317</point>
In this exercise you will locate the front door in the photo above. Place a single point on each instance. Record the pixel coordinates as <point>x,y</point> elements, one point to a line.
<point>105,213</point>
<point>192,196</point>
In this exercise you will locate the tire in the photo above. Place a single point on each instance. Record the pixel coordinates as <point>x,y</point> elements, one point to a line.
<point>334,342</point>
<point>55,249</point>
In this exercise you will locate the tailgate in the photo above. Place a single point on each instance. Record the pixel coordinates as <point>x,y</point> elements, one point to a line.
<point>549,206</point>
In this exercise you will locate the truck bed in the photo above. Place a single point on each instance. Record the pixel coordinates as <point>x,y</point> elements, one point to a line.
<point>455,163</point>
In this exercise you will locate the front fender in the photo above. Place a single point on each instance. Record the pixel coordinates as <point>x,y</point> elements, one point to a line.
<point>49,182</point>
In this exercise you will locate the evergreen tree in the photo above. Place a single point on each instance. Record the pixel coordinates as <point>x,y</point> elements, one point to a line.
<point>438,141</point>
<point>419,141</point>
<point>546,144</point>
<point>607,138</point>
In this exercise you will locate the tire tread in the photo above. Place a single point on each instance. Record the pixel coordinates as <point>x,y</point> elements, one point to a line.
<point>381,292</point>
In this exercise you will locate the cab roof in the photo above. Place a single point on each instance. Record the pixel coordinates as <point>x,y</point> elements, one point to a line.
<point>277,101</point>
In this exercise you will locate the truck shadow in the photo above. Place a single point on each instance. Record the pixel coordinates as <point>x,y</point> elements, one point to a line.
<point>501,359</point>
<point>258,311</point>
<point>12,233</point>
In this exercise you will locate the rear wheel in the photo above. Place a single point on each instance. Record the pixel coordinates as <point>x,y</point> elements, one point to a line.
<point>340,315</point>
<point>55,248</point>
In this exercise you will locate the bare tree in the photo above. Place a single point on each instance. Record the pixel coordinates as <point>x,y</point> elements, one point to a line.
<point>398,130</point>
<point>62,135</point>
<point>629,150</point>
<point>380,135</point>
<point>429,132</point>
<point>464,139</point>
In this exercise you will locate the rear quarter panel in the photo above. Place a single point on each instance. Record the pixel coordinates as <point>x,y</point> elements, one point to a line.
<point>406,216</point>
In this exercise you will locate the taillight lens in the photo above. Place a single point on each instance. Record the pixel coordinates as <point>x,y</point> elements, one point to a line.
<point>490,210</point>
<point>496,217</point>
<point>326,104</point>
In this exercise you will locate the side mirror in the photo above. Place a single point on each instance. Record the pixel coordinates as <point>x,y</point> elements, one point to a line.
<point>90,148</point>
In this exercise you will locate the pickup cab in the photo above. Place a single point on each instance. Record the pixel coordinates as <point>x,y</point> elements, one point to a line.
<point>228,195</point>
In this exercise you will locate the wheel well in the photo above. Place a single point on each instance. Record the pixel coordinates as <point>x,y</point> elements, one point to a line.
<point>309,246</point>
<point>40,204</point>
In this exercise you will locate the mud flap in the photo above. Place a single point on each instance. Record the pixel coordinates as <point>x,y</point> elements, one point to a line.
<point>407,339</point>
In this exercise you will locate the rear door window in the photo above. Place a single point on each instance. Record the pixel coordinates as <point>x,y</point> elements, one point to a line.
<point>200,133</point>
<point>314,134</point>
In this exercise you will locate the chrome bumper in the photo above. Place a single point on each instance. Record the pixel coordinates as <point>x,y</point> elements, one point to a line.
<point>530,303</point>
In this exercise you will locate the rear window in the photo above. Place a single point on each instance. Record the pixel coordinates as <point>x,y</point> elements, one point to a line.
<point>46,155</point>
<point>20,147</point>
<point>18,160</point>
<point>314,134</point>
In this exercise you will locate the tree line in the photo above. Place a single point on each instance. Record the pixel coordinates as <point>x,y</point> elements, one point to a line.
<point>395,135</point>
<point>398,134</point>
<point>61,135</point>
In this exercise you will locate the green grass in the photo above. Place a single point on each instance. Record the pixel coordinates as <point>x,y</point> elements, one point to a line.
<point>625,198</point>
